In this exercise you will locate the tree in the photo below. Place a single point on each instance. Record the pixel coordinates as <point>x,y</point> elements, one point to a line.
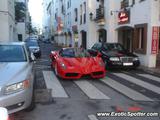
<point>20,11</point>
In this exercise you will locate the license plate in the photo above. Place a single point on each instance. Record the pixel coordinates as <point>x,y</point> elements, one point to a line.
<point>127,64</point>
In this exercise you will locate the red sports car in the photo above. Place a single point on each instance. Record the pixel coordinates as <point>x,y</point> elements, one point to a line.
<point>75,63</point>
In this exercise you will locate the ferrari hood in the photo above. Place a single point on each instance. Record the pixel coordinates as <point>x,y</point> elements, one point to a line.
<point>84,64</point>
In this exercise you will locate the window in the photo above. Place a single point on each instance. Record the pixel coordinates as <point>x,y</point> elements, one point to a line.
<point>84,14</point>
<point>140,38</point>
<point>141,0</point>
<point>76,14</point>
<point>133,2</point>
<point>67,4</point>
<point>124,4</point>
<point>81,14</point>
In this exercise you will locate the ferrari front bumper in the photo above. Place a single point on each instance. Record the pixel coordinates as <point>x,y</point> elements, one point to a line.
<point>75,74</point>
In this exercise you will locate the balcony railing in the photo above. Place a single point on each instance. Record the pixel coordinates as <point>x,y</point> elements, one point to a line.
<point>99,13</point>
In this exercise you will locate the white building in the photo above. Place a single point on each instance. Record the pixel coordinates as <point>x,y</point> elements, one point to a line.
<point>7,20</point>
<point>47,5</point>
<point>133,23</point>
<point>22,22</point>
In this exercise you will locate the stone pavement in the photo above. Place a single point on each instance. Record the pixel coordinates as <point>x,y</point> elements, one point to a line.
<point>151,70</point>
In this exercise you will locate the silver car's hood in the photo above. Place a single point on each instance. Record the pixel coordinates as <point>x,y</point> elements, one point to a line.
<point>10,71</point>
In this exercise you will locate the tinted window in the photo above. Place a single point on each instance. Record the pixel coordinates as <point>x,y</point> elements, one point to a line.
<point>32,43</point>
<point>113,47</point>
<point>12,53</point>
<point>94,46</point>
<point>74,52</point>
<point>99,45</point>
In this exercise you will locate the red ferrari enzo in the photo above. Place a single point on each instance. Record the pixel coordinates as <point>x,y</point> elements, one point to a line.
<point>75,63</point>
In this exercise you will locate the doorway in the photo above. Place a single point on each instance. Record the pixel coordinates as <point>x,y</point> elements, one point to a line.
<point>84,39</point>
<point>102,35</point>
<point>125,37</point>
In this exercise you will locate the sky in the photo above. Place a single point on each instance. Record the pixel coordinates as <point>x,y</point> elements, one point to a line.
<point>36,12</point>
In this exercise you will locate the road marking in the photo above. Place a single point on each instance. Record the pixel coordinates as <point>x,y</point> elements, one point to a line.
<point>139,82</point>
<point>157,79</point>
<point>134,95</point>
<point>91,91</point>
<point>53,83</point>
<point>92,117</point>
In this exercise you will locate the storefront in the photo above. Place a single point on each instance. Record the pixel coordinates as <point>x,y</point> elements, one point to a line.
<point>125,32</point>
<point>125,37</point>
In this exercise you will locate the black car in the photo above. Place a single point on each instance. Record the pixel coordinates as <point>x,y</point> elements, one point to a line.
<point>33,46</point>
<point>115,56</point>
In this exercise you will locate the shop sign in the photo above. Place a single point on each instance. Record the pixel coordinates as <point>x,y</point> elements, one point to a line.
<point>123,17</point>
<point>155,38</point>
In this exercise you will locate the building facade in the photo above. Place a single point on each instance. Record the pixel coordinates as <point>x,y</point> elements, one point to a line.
<point>22,19</point>
<point>13,24</point>
<point>7,20</point>
<point>133,23</point>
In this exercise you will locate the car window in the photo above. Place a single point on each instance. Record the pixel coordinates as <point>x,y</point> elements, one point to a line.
<point>99,45</point>
<point>118,47</point>
<point>12,53</point>
<point>94,46</point>
<point>32,43</point>
<point>74,52</point>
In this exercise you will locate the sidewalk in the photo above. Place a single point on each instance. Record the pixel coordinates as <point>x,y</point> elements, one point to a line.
<point>150,70</point>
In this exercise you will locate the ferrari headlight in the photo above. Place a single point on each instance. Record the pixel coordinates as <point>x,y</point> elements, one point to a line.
<point>17,87</point>
<point>135,59</point>
<point>114,59</point>
<point>63,65</point>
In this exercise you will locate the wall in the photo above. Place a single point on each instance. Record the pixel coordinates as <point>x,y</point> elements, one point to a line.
<point>7,24</point>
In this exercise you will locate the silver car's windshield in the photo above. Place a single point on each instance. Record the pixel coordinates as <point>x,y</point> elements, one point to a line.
<point>12,53</point>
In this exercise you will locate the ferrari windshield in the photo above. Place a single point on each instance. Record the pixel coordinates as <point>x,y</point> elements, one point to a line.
<point>114,46</point>
<point>12,53</point>
<point>74,53</point>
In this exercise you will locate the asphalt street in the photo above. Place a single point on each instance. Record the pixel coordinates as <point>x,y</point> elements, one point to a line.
<point>86,99</point>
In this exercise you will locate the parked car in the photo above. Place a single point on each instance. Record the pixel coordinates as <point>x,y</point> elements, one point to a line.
<point>4,113</point>
<point>17,77</point>
<point>115,56</point>
<point>33,46</point>
<point>75,63</point>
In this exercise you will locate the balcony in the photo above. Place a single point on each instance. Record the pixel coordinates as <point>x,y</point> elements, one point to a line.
<point>100,18</point>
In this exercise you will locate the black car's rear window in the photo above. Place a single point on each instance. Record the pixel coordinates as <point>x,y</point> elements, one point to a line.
<point>117,47</point>
<point>12,53</point>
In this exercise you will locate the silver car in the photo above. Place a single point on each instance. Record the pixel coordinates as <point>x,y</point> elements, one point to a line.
<point>16,77</point>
